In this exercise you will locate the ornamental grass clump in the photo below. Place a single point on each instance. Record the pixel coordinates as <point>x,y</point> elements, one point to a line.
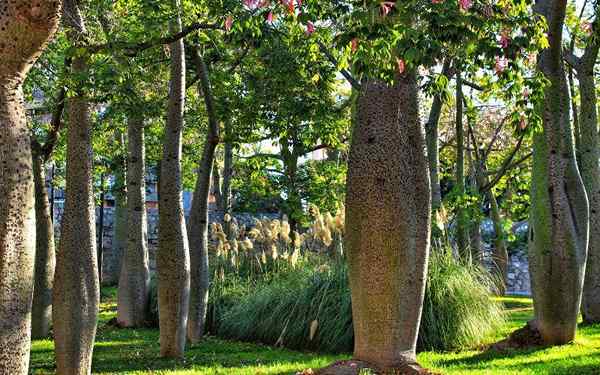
<point>309,308</point>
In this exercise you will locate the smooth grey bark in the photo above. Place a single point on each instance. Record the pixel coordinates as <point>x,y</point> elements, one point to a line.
<point>134,281</point>
<point>198,225</point>
<point>173,257</point>
<point>388,214</point>
<point>588,157</point>
<point>120,228</point>
<point>559,220</point>
<point>26,29</point>
<point>76,287</point>
<point>45,260</point>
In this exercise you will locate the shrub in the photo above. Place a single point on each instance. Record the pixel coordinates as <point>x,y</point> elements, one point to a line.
<point>310,308</point>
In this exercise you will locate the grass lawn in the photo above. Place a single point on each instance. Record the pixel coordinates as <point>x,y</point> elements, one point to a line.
<point>136,352</point>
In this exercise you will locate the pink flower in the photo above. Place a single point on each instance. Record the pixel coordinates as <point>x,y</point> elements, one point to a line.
<point>289,4</point>
<point>354,44</point>
<point>270,17</point>
<point>310,28</point>
<point>523,122</point>
<point>264,3</point>
<point>437,1</point>
<point>228,23</point>
<point>501,64</point>
<point>504,38</point>
<point>386,7</point>
<point>252,4</point>
<point>586,27</point>
<point>465,4</point>
<point>401,65</point>
<point>526,93</point>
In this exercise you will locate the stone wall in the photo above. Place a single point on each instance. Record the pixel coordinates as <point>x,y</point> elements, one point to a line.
<point>518,268</point>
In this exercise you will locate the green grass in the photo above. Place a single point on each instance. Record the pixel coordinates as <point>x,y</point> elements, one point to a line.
<point>136,352</point>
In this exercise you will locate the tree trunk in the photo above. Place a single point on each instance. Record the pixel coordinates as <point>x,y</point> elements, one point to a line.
<point>431,135</point>
<point>499,252</point>
<point>120,228</point>
<point>41,312</point>
<point>100,230</point>
<point>388,223</point>
<point>173,257</point>
<point>198,230</point>
<point>227,170</point>
<point>26,28</point>
<point>590,172</point>
<point>76,286</point>
<point>462,237</point>
<point>216,187</point>
<point>559,213</point>
<point>134,281</point>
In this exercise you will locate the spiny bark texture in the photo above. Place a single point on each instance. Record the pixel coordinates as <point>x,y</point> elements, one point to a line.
<point>388,222</point>
<point>589,154</point>
<point>134,282</point>
<point>462,230</point>
<point>41,311</point>
<point>173,257</point>
<point>76,287</point>
<point>559,224</point>
<point>26,27</point>
<point>198,229</point>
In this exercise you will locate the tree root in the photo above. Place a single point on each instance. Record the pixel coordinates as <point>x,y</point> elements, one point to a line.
<point>523,338</point>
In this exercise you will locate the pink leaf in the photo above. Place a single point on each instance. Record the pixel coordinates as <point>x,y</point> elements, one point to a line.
<point>354,44</point>
<point>465,4</point>
<point>401,65</point>
<point>310,28</point>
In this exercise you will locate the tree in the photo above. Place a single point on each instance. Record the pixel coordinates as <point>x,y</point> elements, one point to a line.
<point>134,281</point>
<point>589,154</point>
<point>173,257</point>
<point>198,223</point>
<point>559,223</point>
<point>76,287</point>
<point>387,223</point>
<point>26,29</point>
<point>45,262</point>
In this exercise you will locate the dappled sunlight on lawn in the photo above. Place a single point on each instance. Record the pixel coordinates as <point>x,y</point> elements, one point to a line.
<point>129,351</point>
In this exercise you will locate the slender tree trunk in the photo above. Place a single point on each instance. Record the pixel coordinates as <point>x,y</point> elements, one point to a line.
<point>590,171</point>
<point>559,222</point>
<point>198,230</point>
<point>499,252</point>
<point>134,282</point>
<point>26,28</point>
<point>41,312</point>
<point>100,239</point>
<point>388,211</point>
<point>216,187</point>
<point>462,237</point>
<point>173,257</point>
<point>120,225</point>
<point>76,287</point>
<point>431,135</point>
<point>227,170</point>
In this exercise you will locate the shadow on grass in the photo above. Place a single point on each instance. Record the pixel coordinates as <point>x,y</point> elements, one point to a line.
<point>129,350</point>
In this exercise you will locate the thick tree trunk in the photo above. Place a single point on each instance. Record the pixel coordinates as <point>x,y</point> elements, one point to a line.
<point>120,227</point>
<point>198,229</point>
<point>76,286</point>
<point>26,28</point>
<point>559,223</point>
<point>173,257</point>
<point>134,282</point>
<point>590,172</point>
<point>388,223</point>
<point>41,312</point>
